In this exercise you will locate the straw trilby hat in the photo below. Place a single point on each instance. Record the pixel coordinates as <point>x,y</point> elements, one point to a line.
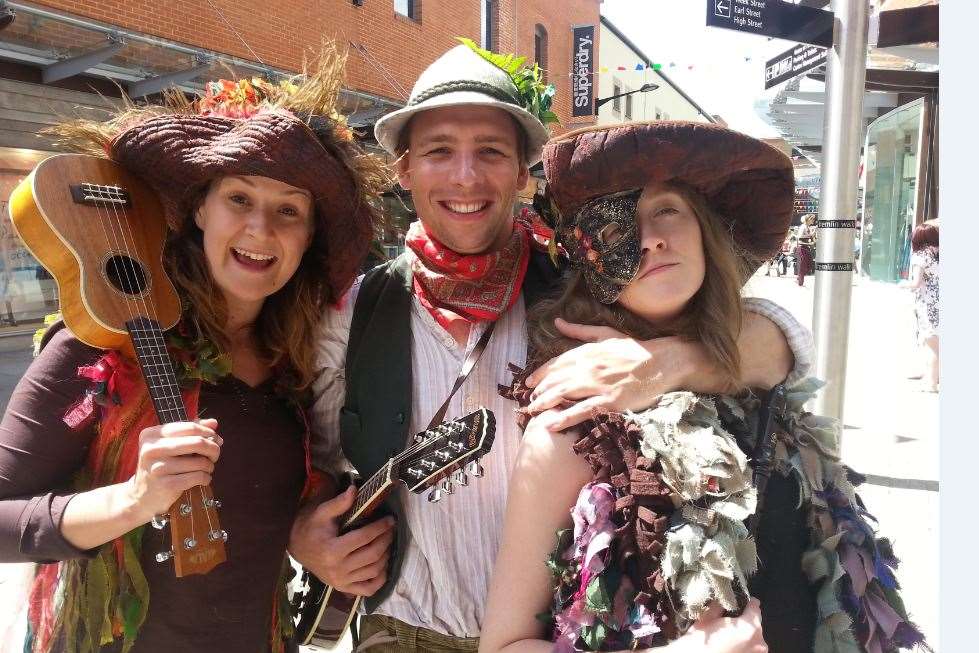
<point>460,77</point>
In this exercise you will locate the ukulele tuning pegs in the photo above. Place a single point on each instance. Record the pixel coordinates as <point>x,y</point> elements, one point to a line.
<point>459,478</point>
<point>159,522</point>
<point>217,535</point>
<point>189,543</point>
<point>474,469</point>
<point>446,486</point>
<point>163,556</point>
<point>435,495</point>
<point>212,503</point>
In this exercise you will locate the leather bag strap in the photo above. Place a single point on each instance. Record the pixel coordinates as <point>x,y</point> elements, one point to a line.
<point>467,367</point>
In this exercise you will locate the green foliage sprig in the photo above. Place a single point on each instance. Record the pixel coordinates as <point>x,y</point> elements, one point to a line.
<point>534,95</point>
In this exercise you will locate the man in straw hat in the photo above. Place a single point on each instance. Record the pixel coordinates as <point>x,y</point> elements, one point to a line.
<point>391,353</point>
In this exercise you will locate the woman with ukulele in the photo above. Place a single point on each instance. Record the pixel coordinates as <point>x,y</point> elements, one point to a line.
<point>268,202</point>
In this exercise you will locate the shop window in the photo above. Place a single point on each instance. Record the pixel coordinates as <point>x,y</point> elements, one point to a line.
<point>540,48</point>
<point>490,20</point>
<point>407,8</point>
<point>890,193</point>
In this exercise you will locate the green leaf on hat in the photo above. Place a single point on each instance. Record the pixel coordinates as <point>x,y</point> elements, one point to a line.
<point>534,95</point>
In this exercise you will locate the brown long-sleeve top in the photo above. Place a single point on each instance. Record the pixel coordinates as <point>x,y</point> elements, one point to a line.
<point>258,478</point>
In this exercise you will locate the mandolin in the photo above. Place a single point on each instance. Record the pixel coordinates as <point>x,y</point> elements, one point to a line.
<point>439,457</point>
<point>100,232</point>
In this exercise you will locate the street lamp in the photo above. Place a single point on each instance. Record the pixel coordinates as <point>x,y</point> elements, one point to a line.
<point>645,88</point>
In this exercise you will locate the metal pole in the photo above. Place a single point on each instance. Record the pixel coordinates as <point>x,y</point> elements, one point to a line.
<point>843,134</point>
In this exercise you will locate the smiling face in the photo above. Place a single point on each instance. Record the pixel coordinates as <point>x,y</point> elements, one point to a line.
<point>464,169</point>
<point>673,264</point>
<point>256,230</point>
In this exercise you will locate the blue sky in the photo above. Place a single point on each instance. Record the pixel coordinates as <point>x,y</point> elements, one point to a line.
<point>721,80</point>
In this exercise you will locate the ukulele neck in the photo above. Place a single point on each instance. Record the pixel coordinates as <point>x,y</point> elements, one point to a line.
<point>157,367</point>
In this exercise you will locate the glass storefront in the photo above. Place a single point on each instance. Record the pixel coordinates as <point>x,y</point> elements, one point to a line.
<point>890,193</point>
<point>27,291</point>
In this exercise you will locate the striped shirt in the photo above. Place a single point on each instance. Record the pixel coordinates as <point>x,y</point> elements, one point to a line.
<point>448,561</point>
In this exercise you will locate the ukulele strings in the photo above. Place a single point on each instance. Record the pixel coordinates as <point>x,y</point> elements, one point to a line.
<point>128,279</point>
<point>160,352</point>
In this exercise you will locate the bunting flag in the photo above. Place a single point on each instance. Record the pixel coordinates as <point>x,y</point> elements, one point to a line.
<point>643,66</point>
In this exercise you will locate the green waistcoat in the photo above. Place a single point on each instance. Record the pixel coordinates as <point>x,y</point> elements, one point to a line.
<point>377,410</point>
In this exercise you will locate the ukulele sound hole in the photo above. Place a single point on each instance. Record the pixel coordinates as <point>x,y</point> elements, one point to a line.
<point>125,274</point>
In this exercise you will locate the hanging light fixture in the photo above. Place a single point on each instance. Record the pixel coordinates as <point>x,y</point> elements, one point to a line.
<point>7,15</point>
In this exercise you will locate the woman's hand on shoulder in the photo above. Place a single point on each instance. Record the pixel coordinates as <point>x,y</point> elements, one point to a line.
<point>172,458</point>
<point>719,634</point>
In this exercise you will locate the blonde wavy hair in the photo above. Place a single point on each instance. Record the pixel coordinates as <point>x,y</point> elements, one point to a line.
<point>285,328</point>
<point>713,316</point>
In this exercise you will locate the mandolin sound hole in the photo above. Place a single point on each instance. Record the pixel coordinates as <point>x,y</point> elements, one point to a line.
<point>125,274</point>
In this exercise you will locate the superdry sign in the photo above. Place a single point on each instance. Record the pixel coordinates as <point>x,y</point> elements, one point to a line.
<point>582,70</point>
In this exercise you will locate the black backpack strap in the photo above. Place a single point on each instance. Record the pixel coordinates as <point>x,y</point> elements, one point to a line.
<point>543,278</point>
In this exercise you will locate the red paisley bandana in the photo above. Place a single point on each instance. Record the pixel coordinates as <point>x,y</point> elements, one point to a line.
<point>471,286</point>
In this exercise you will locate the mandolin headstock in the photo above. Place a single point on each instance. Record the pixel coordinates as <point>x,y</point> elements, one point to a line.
<point>196,538</point>
<point>446,454</point>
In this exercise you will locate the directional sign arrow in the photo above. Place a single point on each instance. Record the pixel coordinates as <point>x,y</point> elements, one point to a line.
<point>722,8</point>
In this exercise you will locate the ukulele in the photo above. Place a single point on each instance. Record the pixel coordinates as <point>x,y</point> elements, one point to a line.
<point>100,231</point>
<point>439,457</point>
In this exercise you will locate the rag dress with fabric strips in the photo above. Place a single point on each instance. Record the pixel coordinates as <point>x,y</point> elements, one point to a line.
<point>661,532</point>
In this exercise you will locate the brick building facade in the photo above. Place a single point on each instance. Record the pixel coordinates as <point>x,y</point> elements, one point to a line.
<point>387,50</point>
<point>67,58</point>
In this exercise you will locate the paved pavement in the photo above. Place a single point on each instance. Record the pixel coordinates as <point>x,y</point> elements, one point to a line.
<point>890,434</point>
<point>890,429</point>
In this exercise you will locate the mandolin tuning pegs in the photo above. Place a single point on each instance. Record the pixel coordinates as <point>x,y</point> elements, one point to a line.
<point>446,486</point>
<point>474,469</point>
<point>163,556</point>
<point>159,522</point>
<point>435,495</point>
<point>459,478</point>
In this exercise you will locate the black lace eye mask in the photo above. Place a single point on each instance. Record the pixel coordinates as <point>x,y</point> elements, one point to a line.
<point>604,242</point>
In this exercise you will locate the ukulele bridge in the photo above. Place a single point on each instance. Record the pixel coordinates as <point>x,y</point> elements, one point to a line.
<point>100,195</point>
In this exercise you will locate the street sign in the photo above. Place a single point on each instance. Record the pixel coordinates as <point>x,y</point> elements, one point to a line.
<point>773,18</point>
<point>793,62</point>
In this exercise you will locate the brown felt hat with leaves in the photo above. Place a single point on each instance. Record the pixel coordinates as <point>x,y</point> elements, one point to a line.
<point>290,131</point>
<point>747,182</point>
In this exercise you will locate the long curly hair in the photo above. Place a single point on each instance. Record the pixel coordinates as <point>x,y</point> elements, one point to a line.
<point>285,328</point>
<point>713,316</point>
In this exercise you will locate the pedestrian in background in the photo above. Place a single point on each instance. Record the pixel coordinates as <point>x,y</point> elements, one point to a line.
<point>923,280</point>
<point>805,250</point>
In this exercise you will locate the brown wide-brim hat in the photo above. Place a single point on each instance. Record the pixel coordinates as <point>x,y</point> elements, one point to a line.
<point>747,182</point>
<point>179,155</point>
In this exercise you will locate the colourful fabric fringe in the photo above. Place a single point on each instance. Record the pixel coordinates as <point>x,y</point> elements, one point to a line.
<point>708,554</point>
<point>86,604</point>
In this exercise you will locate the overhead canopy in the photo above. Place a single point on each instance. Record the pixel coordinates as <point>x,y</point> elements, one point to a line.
<point>902,64</point>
